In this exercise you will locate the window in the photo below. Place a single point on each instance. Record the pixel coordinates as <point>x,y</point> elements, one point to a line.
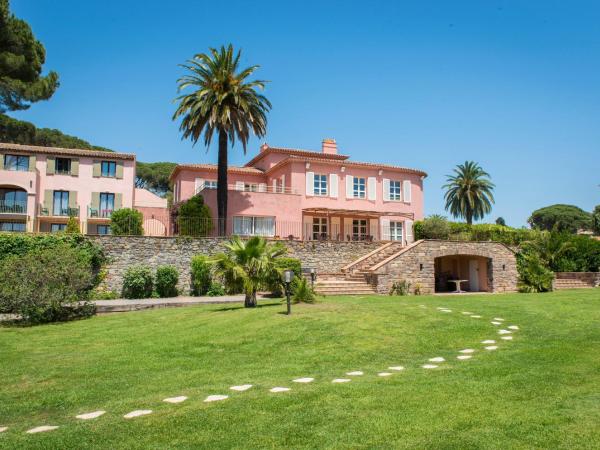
<point>359,229</point>
<point>395,190</point>
<point>18,227</point>
<point>63,166</point>
<point>360,189</point>
<point>254,226</point>
<point>16,162</point>
<point>103,229</point>
<point>320,184</point>
<point>396,231</point>
<point>319,230</point>
<point>107,204</point>
<point>60,204</point>
<point>13,201</point>
<point>109,169</point>
<point>210,184</point>
<point>251,187</point>
<point>55,227</point>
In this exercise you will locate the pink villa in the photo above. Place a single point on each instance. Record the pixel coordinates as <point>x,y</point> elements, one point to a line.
<point>310,195</point>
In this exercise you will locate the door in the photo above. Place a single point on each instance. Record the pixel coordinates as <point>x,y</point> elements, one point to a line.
<point>319,228</point>
<point>359,230</point>
<point>474,275</point>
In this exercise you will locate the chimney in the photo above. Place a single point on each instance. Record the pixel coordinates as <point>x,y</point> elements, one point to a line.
<point>264,147</point>
<point>329,146</point>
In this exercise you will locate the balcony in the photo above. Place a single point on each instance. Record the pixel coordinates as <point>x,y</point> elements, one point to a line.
<point>100,214</point>
<point>261,188</point>
<point>44,211</point>
<point>12,207</point>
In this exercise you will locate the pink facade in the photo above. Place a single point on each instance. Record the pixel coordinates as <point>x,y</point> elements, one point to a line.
<point>60,183</point>
<point>292,193</point>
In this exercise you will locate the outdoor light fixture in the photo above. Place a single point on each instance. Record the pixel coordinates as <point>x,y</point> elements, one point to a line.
<point>380,172</point>
<point>288,276</point>
<point>421,266</point>
<point>313,277</point>
<point>308,165</point>
<point>343,169</point>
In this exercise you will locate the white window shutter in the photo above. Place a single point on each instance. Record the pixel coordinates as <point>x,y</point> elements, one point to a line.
<point>274,184</point>
<point>307,225</point>
<point>408,224</point>
<point>262,187</point>
<point>385,229</point>
<point>374,229</point>
<point>283,183</point>
<point>333,185</point>
<point>386,189</point>
<point>198,184</point>
<point>407,194</point>
<point>349,186</point>
<point>310,183</point>
<point>335,230</point>
<point>372,188</point>
<point>239,185</point>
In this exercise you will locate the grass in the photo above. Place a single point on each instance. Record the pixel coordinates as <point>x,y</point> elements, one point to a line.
<point>542,390</point>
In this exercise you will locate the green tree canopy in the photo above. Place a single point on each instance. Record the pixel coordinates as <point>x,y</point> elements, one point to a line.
<point>596,220</point>
<point>193,217</point>
<point>568,218</point>
<point>154,176</point>
<point>22,57</point>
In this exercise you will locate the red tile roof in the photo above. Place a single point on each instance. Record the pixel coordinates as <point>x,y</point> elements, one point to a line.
<point>65,151</point>
<point>213,168</point>
<point>295,152</point>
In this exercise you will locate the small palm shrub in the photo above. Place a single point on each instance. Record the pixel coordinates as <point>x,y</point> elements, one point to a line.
<point>533,275</point>
<point>303,292</point>
<point>401,287</point>
<point>216,290</point>
<point>201,275</point>
<point>138,282</point>
<point>166,281</point>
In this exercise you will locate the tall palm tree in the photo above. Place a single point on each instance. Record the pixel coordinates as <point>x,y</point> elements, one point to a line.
<point>249,264</point>
<point>469,192</point>
<point>225,102</point>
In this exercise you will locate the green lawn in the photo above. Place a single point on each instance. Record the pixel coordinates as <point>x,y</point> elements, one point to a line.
<point>541,390</point>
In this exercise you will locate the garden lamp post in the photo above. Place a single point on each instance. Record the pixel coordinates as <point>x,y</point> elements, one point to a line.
<point>288,276</point>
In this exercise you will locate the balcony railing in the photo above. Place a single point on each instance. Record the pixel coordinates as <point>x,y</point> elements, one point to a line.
<point>98,213</point>
<point>45,211</point>
<point>251,187</point>
<point>13,207</point>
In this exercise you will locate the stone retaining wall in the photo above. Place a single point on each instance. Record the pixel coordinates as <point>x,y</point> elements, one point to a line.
<point>567,280</point>
<point>416,264</point>
<point>125,251</point>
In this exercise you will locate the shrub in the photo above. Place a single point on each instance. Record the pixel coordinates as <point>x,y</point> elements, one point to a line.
<point>126,222</point>
<point>596,220</point>
<point>166,281</point>
<point>201,275</point>
<point>303,292</point>
<point>275,283</point>
<point>138,282</point>
<point>533,275</point>
<point>417,289</point>
<point>216,290</point>
<point>435,227</point>
<point>501,221</point>
<point>193,217</point>
<point>73,226</point>
<point>47,284</point>
<point>400,288</point>
<point>103,294</point>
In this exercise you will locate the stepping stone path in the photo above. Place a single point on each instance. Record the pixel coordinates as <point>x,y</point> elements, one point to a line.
<point>42,429</point>
<point>507,338</point>
<point>215,398</point>
<point>279,389</point>
<point>137,413</point>
<point>496,323</point>
<point>499,319</point>
<point>513,327</point>
<point>475,316</point>
<point>462,357</point>
<point>384,374</point>
<point>3,429</point>
<point>467,350</point>
<point>341,380</point>
<point>504,332</point>
<point>445,310</point>
<point>303,380</point>
<point>92,415</point>
<point>396,368</point>
<point>241,388</point>
<point>355,373</point>
<point>467,313</point>
<point>437,359</point>
<point>491,347</point>
<point>429,366</point>
<point>181,398</point>
<point>488,341</point>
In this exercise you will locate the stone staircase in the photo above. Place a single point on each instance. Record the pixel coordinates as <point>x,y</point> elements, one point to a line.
<point>573,281</point>
<point>352,279</point>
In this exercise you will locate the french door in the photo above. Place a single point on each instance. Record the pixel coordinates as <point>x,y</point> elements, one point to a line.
<point>319,228</point>
<point>359,229</point>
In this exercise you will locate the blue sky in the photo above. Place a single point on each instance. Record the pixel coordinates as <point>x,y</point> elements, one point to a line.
<point>514,85</point>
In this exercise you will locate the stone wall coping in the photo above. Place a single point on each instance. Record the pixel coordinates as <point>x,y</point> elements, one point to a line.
<point>576,273</point>
<point>219,238</point>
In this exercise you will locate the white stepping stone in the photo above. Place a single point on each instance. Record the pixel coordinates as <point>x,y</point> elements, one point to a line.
<point>496,323</point>
<point>341,380</point>
<point>41,429</point>
<point>462,357</point>
<point>441,307</point>
<point>181,398</point>
<point>137,413</point>
<point>491,347</point>
<point>504,332</point>
<point>488,341</point>
<point>3,429</point>
<point>215,398</point>
<point>241,388</point>
<point>356,373</point>
<point>475,316</point>
<point>396,368</point>
<point>499,319</point>
<point>467,313</point>
<point>445,310</point>
<point>384,374</point>
<point>429,366</point>
<point>279,389</point>
<point>507,338</point>
<point>437,359</point>
<point>467,350</point>
<point>92,415</point>
<point>513,327</point>
<point>303,380</point>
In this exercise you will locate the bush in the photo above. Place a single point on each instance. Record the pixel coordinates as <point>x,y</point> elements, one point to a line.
<point>166,281</point>
<point>103,294</point>
<point>193,217</point>
<point>275,284</point>
<point>596,220</point>
<point>73,226</point>
<point>127,222</point>
<point>533,275</point>
<point>400,288</point>
<point>303,292</point>
<point>138,282</point>
<point>433,227</point>
<point>216,290</point>
<point>201,275</point>
<point>47,284</point>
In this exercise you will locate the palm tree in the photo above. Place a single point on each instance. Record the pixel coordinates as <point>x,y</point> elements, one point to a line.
<point>469,192</point>
<point>225,102</point>
<point>248,264</point>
